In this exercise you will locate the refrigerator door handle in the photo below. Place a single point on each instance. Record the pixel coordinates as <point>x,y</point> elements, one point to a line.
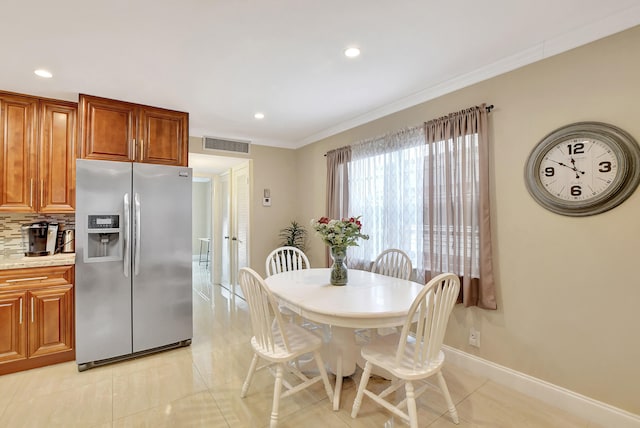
<point>136,225</point>
<point>127,250</point>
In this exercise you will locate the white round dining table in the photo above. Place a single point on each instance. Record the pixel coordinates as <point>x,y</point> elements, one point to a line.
<point>369,300</point>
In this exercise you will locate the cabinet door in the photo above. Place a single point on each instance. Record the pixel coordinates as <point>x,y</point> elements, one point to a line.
<point>164,136</point>
<point>13,332</point>
<point>50,320</point>
<point>57,171</point>
<point>107,129</point>
<point>17,152</point>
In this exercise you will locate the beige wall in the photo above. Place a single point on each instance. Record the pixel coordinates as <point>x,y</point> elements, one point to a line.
<point>567,288</point>
<point>273,169</point>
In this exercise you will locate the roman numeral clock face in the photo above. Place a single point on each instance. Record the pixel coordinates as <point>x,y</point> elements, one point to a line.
<point>583,169</point>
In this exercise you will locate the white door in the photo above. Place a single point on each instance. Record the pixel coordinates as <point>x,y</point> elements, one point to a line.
<point>234,223</point>
<point>240,224</point>
<point>225,229</point>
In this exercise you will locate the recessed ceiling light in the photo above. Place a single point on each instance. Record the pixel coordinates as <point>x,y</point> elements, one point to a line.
<point>43,73</point>
<point>259,115</point>
<point>351,52</point>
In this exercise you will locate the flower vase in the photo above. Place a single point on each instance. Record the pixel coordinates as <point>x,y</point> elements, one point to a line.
<point>338,268</point>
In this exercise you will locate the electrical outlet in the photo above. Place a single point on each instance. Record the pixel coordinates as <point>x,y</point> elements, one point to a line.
<point>474,337</point>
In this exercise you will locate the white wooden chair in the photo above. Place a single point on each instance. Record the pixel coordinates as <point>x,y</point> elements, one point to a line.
<point>393,262</point>
<point>277,343</point>
<point>412,358</point>
<point>284,259</point>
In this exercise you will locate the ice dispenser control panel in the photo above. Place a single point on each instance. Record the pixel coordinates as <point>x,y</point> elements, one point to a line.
<point>104,238</point>
<point>104,221</point>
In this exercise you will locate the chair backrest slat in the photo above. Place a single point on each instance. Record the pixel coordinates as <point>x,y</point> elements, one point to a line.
<point>430,312</point>
<point>265,316</point>
<point>285,259</point>
<point>393,262</point>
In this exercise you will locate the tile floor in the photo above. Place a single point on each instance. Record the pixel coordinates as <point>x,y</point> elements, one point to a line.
<point>199,386</point>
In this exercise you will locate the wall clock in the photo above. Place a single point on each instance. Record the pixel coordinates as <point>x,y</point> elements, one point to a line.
<point>583,169</point>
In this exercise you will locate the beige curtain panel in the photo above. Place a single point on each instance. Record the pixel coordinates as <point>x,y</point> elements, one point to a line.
<point>337,185</point>
<point>338,182</point>
<point>457,223</point>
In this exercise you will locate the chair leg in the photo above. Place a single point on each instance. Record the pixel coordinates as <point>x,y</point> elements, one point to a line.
<point>357,402</point>
<point>323,373</point>
<point>445,391</point>
<point>411,405</point>
<point>277,389</point>
<point>247,381</point>
<point>338,388</point>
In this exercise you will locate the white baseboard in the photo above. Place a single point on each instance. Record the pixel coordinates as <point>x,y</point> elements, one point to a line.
<point>592,410</point>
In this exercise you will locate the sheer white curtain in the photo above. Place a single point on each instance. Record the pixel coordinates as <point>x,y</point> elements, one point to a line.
<point>386,188</point>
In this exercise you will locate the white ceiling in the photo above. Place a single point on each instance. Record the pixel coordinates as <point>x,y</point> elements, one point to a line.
<point>222,61</point>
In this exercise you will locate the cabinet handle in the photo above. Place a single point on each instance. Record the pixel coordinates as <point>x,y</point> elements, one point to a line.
<point>21,310</point>
<point>142,150</point>
<point>135,150</point>
<point>32,310</point>
<point>31,192</point>
<point>35,278</point>
<point>41,193</point>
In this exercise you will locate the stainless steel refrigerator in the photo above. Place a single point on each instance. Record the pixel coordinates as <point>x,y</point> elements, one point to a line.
<point>133,260</point>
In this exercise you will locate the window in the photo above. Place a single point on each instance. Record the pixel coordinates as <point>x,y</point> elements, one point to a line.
<point>411,196</point>
<point>424,190</point>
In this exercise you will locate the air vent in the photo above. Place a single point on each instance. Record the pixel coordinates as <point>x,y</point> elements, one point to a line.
<point>235,146</point>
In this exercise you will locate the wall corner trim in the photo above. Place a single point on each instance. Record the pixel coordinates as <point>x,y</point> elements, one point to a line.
<point>585,407</point>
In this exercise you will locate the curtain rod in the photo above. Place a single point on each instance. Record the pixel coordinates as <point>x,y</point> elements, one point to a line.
<point>488,108</point>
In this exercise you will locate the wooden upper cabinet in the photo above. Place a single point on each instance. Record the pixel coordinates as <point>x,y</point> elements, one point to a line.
<point>57,159</point>
<point>122,131</point>
<point>38,138</point>
<point>164,136</point>
<point>107,129</point>
<point>18,143</point>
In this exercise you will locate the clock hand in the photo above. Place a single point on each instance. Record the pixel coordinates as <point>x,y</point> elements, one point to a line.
<point>562,164</point>
<point>570,167</point>
<point>573,162</point>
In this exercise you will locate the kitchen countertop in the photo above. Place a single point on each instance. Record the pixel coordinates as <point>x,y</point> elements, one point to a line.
<point>29,262</point>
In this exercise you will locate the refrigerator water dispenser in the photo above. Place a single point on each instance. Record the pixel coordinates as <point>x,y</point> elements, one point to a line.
<point>104,238</point>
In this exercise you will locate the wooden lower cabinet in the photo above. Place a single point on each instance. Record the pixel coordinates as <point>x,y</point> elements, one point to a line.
<point>50,320</point>
<point>36,317</point>
<point>13,331</point>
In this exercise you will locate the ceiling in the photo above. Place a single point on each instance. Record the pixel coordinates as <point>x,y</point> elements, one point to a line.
<point>223,61</point>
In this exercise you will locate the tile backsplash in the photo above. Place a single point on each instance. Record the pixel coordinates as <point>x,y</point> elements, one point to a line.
<point>10,234</point>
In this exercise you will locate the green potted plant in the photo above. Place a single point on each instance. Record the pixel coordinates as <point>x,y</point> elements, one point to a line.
<point>294,235</point>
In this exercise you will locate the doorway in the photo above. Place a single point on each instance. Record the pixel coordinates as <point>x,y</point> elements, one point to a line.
<point>229,205</point>
<point>201,219</point>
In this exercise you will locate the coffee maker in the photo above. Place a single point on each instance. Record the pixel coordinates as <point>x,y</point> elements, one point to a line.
<point>39,239</point>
